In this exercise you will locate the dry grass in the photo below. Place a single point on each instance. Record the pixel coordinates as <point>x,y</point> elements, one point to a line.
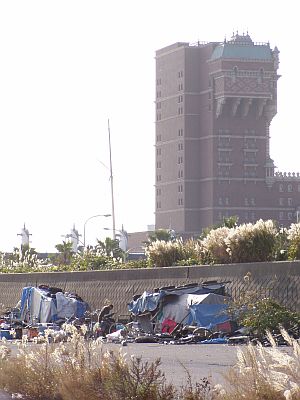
<point>79,370</point>
<point>267,373</point>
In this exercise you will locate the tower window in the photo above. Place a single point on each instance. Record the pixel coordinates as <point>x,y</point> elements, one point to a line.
<point>261,75</point>
<point>235,73</point>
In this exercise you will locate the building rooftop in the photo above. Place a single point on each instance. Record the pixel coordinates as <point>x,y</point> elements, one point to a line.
<point>242,47</point>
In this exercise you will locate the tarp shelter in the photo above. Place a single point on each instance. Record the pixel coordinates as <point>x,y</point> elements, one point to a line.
<point>150,301</point>
<point>196,305</point>
<point>44,305</point>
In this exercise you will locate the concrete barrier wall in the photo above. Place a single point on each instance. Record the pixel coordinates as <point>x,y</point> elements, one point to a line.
<point>280,280</point>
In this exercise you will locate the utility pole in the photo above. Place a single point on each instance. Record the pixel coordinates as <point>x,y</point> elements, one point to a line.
<point>112,187</point>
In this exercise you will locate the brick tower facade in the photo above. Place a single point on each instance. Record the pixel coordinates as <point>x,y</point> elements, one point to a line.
<point>214,106</point>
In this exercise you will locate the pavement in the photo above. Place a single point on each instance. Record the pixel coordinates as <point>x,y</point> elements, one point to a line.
<point>177,361</point>
<point>4,396</point>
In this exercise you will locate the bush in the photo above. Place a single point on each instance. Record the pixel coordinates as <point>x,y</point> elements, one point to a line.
<point>164,254</point>
<point>214,247</point>
<point>251,243</point>
<point>268,315</point>
<point>191,253</point>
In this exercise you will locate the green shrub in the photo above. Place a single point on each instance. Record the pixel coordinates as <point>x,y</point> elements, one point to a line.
<point>268,315</point>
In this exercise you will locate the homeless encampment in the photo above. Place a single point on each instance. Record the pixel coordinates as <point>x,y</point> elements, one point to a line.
<point>46,304</point>
<point>197,305</point>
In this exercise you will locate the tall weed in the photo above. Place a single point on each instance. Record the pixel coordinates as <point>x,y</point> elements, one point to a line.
<point>293,235</point>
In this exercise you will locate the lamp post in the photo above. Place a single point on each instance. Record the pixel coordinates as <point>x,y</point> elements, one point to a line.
<point>93,216</point>
<point>111,185</point>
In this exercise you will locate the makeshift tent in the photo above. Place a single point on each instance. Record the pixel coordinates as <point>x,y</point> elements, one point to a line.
<point>205,310</point>
<point>149,301</point>
<point>45,305</point>
<point>197,305</point>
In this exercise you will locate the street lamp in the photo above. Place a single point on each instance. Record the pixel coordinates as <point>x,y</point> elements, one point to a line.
<point>93,216</point>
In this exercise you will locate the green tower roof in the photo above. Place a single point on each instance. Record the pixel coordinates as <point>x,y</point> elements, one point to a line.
<point>241,46</point>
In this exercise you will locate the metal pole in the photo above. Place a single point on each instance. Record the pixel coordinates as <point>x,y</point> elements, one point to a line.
<point>84,235</point>
<point>93,216</point>
<point>112,187</point>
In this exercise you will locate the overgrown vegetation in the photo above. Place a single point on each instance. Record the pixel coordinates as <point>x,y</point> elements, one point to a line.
<point>268,315</point>
<point>230,243</point>
<point>265,373</point>
<point>81,370</point>
<point>225,244</point>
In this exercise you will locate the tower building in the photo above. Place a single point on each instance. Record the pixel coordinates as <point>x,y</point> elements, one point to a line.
<point>214,106</point>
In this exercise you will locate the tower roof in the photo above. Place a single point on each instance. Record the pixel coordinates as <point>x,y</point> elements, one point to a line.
<point>242,46</point>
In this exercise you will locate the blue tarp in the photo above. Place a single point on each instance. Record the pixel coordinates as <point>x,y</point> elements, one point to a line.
<point>39,305</point>
<point>197,305</point>
<point>150,301</point>
<point>146,302</point>
<point>207,315</point>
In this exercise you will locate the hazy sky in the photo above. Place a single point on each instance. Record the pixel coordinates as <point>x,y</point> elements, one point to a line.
<point>67,66</point>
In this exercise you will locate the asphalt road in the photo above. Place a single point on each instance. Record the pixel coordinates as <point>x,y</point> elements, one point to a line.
<point>200,360</point>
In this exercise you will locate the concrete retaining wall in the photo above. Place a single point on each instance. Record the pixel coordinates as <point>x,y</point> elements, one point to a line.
<point>280,280</point>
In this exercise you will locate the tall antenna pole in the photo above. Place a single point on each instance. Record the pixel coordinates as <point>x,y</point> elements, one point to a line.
<point>112,187</point>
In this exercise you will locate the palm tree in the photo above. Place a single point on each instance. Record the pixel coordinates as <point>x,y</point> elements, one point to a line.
<point>161,234</point>
<point>110,248</point>
<point>65,250</point>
